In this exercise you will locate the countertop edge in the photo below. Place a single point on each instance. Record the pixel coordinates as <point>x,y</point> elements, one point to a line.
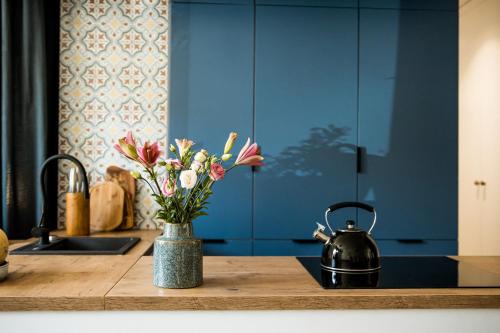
<point>337,302</point>
<point>24,303</point>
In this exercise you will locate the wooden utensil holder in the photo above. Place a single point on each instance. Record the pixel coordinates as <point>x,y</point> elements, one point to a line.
<point>77,214</point>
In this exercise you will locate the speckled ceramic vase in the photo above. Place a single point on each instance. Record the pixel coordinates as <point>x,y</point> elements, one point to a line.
<point>177,258</point>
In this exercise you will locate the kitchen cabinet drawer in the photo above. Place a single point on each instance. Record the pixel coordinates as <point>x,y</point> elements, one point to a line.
<point>215,2</point>
<point>227,247</point>
<point>287,248</point>
<point>309,3</point>
<point>417,247</point>
<point>410,4</point>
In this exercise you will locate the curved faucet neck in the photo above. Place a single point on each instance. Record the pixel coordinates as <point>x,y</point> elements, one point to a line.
<point>41,230</point>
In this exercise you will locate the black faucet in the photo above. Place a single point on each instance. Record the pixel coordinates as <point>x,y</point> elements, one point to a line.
<point>41,230</point>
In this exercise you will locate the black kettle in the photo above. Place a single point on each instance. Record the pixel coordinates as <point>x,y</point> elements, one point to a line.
<point>348,250</point>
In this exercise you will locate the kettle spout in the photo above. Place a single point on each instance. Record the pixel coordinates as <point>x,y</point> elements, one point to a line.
<point>320,235</point>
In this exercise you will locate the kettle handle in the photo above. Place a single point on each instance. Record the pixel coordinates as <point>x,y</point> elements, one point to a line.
<point>353,204</point>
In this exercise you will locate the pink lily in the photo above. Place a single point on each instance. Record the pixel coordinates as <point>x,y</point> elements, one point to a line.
<point>148,154</point>
<point>127,146</point>
<point>249,155</point>
<point>183,145</point>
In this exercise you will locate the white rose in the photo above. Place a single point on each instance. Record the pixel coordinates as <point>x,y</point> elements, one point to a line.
<point>201,156</point>
<point>196,167</point>
<point>188,179</point>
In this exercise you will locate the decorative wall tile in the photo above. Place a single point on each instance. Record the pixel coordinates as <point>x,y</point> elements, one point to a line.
<point>113,77</point>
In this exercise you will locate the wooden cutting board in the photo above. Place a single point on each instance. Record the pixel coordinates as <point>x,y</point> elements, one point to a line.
<point>106,206</point>
<point>123,178</point>
<point>128,214</point>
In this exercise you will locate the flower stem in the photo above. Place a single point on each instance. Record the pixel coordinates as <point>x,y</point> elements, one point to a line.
<point>151,187</point>
<point>154,178</point>
<point>207,186</point>
<point>231,167</point>
<point>193,191</point>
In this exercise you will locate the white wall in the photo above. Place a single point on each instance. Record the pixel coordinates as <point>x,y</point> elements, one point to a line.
<point>351,321</point>
<point>479,128</point>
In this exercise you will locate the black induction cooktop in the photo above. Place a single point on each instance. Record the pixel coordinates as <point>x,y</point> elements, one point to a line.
<point>406,272</point>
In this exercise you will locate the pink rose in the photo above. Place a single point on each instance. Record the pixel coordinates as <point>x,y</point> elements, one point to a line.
<point>168,188</point>
<point>216,172</point>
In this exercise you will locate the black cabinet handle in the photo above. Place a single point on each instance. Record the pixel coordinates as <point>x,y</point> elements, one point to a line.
<point>214,241</point>
<point>358,159</point>
<point>360,152</point>
<point>411,241</point>
<point>305,241</point>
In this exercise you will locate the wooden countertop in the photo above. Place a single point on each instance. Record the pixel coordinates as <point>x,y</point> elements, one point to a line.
<point>230,283</point>
<point>57,282</point>
<point>281,283</point>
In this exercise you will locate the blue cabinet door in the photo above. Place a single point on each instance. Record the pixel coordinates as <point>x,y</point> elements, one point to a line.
<point>211,94</point>
<point>408,122</point>
<point>305,116</point>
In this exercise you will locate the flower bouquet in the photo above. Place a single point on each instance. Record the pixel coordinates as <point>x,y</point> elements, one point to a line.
<point>182,191</point>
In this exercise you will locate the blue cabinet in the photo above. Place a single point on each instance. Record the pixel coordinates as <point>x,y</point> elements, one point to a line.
<point>211,94</point>
<point>311,81</point>
<point>305,116</point>
<point>408,123</point>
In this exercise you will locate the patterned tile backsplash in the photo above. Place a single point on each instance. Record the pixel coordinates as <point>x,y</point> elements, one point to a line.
<point>113,77</point>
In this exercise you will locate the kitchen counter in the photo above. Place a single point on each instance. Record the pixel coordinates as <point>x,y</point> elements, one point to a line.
<point>230,283</point>
<point>72,282</point>
<point>281,283</point>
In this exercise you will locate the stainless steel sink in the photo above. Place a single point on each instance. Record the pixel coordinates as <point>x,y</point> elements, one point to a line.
<point>79,246</point>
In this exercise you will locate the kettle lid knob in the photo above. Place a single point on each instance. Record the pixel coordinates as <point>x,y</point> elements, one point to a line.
<point>350,224</point>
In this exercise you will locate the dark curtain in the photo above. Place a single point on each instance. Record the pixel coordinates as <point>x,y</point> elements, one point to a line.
<point>29,110</point>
